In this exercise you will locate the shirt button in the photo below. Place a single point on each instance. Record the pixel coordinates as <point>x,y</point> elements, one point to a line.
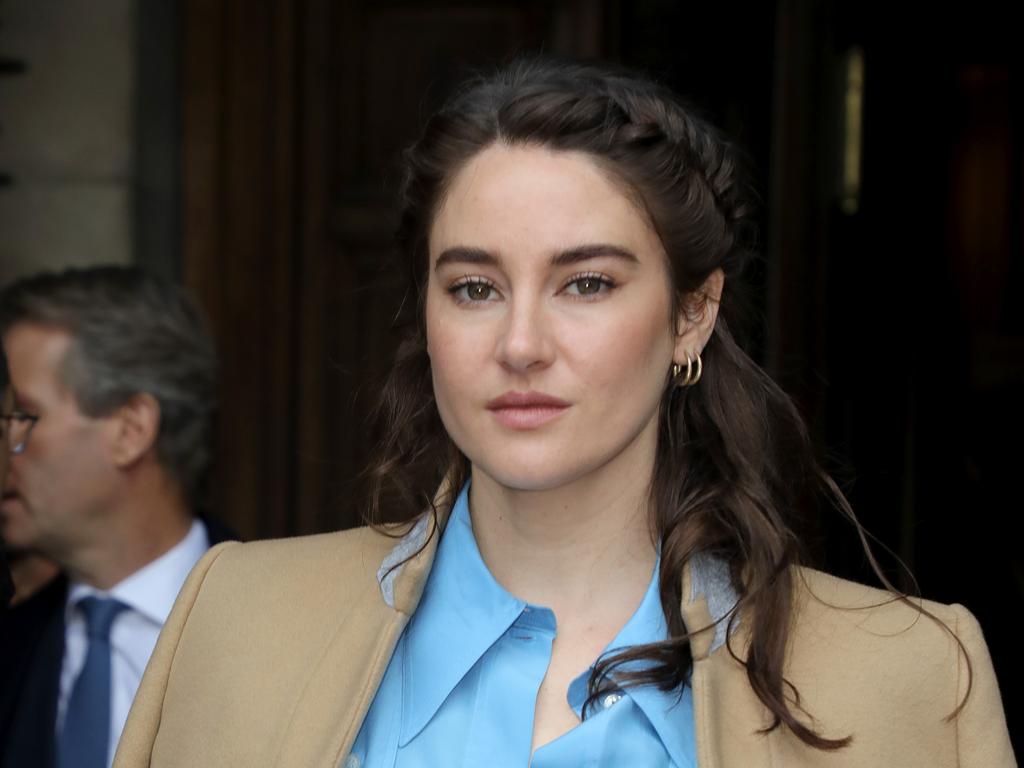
<point>610,700</point>
<point>351,762</point>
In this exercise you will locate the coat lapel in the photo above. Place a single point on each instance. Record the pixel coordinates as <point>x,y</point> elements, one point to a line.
<point>328,716</point>
<point>726,717</point>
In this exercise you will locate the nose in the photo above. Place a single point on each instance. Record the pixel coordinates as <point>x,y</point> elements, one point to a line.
<point>525,343</point>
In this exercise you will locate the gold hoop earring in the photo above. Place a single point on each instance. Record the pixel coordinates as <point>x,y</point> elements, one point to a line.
<point>677,369</point>
<point>688,378</point>
<point>692,376</point>
<point>696,375</point>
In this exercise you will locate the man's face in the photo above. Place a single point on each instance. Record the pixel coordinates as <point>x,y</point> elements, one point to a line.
<point>6,399</point>
<point>6,403</point>
<point>58,486</point>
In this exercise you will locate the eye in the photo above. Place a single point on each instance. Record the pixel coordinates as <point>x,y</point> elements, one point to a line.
<point>473,290</point>
<point>590,284</point>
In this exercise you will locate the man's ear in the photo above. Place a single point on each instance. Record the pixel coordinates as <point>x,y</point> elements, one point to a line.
<point>135,426</point>
<point>695,321</point>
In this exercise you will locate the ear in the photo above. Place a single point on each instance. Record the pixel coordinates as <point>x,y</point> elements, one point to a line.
<point>135,426</point>
<point>696,319</point>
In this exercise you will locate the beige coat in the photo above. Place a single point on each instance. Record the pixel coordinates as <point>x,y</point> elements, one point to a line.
<point>274,650</point>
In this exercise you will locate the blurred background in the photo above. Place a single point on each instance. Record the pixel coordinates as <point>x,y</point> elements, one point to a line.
<point>249,150</point>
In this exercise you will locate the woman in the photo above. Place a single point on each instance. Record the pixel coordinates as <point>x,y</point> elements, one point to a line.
<point>608,574</point>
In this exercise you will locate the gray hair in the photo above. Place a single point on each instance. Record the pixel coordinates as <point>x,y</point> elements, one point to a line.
<point>132,333</point>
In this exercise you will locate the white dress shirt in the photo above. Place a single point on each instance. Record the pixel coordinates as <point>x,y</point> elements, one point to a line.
<point>149,594</point>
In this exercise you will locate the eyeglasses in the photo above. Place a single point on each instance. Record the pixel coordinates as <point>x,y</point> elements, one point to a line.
<point>17,426</point>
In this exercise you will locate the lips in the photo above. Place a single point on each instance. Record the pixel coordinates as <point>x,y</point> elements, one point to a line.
<point>526,410</point>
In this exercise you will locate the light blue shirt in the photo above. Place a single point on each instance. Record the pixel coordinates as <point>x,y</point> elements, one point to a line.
<point>461,686</point>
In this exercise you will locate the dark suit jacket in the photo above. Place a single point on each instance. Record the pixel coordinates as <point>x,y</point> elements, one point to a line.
<point>31,653</point>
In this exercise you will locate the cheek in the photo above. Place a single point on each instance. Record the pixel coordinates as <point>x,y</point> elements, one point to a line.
<point>449,365</point>
<point>75,461</point>
<point>631,350</point>
<point>458,339</point>
<point>456,384</point>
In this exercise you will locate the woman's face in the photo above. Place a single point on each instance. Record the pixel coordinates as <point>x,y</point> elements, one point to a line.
<point>549,322</point>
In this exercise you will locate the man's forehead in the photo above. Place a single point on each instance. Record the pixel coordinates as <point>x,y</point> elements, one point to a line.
<point>38,340</point>
<point>34,354</point>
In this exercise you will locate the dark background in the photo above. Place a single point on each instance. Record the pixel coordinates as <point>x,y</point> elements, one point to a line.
<point>892,309</point>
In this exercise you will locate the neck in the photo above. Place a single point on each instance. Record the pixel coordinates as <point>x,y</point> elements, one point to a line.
<point>574,548</point>
<point>140,529</point>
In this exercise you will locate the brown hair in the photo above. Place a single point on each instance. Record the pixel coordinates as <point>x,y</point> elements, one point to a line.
<point>734,468</point>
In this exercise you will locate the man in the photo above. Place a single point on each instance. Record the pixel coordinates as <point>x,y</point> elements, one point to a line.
<point>6,582</point>
<point>113,379</point>
<point>26,572</point>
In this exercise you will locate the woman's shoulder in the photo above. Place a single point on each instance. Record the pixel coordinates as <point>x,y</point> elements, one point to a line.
<point>326,568</point>
<point>337,547</point>
<point>850,637</point>
<point>827,603</point>
<point>889,670</point>
<point>830,612</point>
<point>833,599</point>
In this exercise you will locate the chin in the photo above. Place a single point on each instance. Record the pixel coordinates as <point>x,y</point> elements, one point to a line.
<point>535,473</point>
<point>16,537</point>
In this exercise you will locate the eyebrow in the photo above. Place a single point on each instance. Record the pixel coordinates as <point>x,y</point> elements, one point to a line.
<point>465,255</point>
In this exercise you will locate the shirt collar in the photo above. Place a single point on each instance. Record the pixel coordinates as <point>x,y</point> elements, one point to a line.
<point>670,713</point>
<point>464,610</point>
<point>152,589</point>
<point>484,610</point>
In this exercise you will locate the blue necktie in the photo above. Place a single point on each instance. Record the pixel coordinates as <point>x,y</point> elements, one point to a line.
<point>85,739</point>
